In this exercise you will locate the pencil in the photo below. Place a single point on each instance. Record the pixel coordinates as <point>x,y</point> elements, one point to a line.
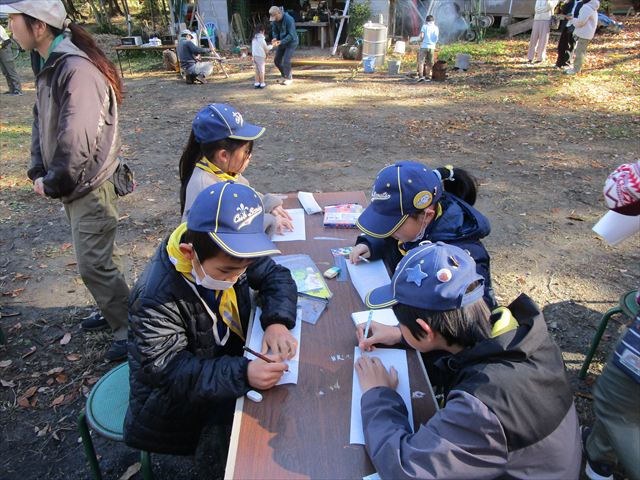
<point>260,356</point>
<point>365,260</point>
<point>368,325</point>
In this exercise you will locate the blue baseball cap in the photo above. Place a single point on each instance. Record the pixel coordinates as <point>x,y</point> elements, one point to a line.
<point>398,191</point>
<point>433,276</point>
<point>217,121</point>
<point>233,216</point>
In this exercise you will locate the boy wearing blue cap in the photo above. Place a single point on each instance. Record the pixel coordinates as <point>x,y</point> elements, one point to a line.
<point>188,315</point>
<point>411,203</point>
<point>219,149</point>
<point>508,409</point>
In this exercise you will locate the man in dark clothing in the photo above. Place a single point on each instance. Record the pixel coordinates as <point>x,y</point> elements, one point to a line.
<point>508,409</point>
<point>188,316</point>
<point>189,55</point>
<point>566,42</point>
<point>285,39</point>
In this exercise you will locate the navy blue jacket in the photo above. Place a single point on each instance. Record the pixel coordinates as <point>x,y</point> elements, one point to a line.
<point>285,31</point>
<point>460,224</point>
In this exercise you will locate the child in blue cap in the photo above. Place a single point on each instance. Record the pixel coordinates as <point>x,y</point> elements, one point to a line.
<point>411,203</point>
<point>219,149</point>
<point>188,316</point>
<point>508,408</point>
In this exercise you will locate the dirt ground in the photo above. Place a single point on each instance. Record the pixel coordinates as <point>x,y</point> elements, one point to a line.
<point>540,143</point>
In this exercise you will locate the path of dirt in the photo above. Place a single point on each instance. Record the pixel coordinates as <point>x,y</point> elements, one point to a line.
<point>541,163</point>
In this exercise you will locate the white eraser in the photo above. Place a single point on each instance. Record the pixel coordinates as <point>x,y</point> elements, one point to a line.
<point>309,203</point>
<point>254,396</point>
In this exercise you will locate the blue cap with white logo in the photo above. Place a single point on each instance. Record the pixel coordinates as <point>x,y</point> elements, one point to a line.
<point>233,216</point>
<point>433,276</point>
<point>218,121</point>
<point>398,191</point>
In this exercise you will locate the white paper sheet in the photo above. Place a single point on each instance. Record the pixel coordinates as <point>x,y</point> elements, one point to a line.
<point>385,316</point>
<point>309,203</point>
<point>367,276</point>
<point>297,214</point>
<point>255,343</point>
<point>390,357</point>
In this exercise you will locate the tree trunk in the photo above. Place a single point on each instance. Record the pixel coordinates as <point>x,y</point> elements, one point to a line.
<point>72,12</point>
<point>114,8</point>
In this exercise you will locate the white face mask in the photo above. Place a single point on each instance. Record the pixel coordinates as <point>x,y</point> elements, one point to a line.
<point>423,229</point>
<point>208,282</point>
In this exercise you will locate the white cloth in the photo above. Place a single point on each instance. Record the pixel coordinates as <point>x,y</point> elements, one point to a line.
<point>203,68</point>
<point>544,9</point>
<point>587,21</point>
<point>259,47</point>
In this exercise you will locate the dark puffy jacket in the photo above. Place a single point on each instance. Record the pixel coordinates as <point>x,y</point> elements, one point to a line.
<point>285,31</point>
<point>75,141</point>
<point>180,378</point>
<point>460,224</point>
<point>509,413</point>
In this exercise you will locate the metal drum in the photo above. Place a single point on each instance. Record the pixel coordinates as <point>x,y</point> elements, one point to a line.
<point>374,43</point>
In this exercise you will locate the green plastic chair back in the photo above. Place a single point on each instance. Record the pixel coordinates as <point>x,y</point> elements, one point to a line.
<point>108,402</point>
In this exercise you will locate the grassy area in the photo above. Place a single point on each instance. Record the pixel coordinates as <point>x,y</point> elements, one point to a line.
<point>15,139</point>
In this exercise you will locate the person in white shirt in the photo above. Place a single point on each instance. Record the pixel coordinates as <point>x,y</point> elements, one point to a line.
<point>540,31</point>
<point>584,30</point>
<point>259,52</point>
<point>426,55</point>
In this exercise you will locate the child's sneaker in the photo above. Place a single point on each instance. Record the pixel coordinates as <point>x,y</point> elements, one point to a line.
<point>594,470</point>
<point>256,85</point>
<point>287,81</point>
<point>262,85</point>
<point>420,79</point>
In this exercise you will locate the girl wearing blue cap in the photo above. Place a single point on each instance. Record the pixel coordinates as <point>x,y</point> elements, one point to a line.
<point>410,203</point>
<point>219,149</point>
<point>508,407</point>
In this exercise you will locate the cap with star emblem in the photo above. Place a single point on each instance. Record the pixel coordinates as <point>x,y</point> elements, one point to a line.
<point>433,276</point>
<point>217,121</point>
<point>398,191</point>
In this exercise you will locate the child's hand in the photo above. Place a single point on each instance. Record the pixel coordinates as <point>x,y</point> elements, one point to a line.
<point>371,374</point>
<point>279,340</point>
<point>360,250</point>
<point>263,375</point>
<point>383,334</point>
<point>282,225</point>
<point>281,212</point>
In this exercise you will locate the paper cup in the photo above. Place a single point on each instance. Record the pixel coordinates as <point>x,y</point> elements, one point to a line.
<point>615,228</point>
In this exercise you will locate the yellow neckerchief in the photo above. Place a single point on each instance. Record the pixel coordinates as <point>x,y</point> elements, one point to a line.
<point>403,252</point>
<point>212,168</point>
<point>505,323</point>
<point>228,302</point>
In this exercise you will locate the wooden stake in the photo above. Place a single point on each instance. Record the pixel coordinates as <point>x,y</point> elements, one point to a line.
<point>216,56</point>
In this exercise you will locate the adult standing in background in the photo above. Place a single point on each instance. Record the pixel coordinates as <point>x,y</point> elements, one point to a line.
<point>566,43</point>
<point>284,39</point>
<point>7,64</point>
<point>584,29</point>
<point>540,32</point>
<point>74,148</point>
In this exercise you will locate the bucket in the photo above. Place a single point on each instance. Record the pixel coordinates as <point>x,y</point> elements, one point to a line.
<point>374,43</point>
<point>615,228</point>
<point>439,71</point>
<point>399,47</point>
<point>462,61</point>
<point>369,64</point>
<point>394,67</point>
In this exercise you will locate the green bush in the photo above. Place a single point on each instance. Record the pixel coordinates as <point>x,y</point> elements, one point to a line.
<point>359,14</point>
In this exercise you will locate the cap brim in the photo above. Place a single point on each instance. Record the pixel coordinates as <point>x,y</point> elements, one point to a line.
<point>248,132</point>
<point>8,9</point>
<point>245,245</point>
<point>381,297</point>
<point>379,226</point>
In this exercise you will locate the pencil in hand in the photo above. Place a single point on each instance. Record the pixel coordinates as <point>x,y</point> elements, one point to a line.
<point>260,356</point>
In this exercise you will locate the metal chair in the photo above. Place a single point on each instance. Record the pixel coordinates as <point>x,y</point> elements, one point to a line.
<point>104,414</point>
<point>628,306</point>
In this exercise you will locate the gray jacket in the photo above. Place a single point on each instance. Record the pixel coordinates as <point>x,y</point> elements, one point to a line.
<point>75,141</point>
<point>509,413</point>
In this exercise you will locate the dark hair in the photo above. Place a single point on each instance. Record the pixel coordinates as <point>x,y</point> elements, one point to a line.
<point>429,18</point>
<point>259,28</point>
<point>203,245</point>
<point>194,151</point>
<point>462,326</point>
<point>85,42</point>
<point>460,183</point>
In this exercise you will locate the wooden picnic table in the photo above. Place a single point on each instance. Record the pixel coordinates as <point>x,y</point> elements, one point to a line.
<point>324,30</point>
<point>139,48</point>
<point>302,431</point>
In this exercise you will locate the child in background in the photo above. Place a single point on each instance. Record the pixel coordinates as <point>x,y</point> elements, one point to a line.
<point>259,52</point>
<point>426,55</point>
<point>219,149</point>
<point>508,407</point>
<point>411,203</point>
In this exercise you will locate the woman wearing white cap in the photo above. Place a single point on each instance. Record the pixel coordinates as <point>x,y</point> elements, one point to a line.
<point>75,146</point>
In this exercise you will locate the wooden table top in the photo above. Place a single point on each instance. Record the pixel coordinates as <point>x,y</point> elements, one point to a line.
<point>312,24</point>
<point>302,431</point>
<point>140,47</point>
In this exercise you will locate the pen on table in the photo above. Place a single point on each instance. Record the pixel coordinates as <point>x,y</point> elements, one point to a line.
<point>260,356</point>
<point>365,260</point>
<point>368,325</point>
<point>322,299</point>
